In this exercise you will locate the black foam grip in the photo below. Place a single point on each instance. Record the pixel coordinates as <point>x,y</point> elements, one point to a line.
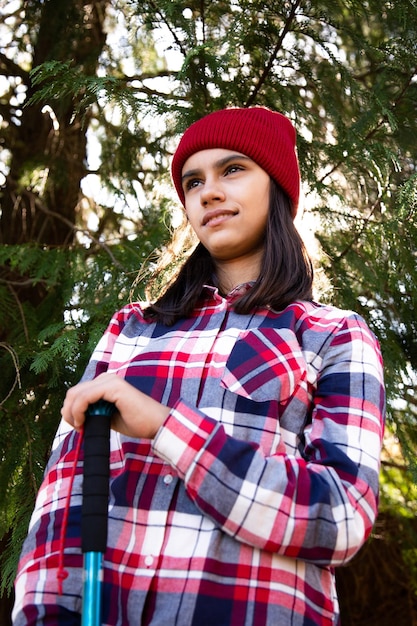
<point>94,510</point>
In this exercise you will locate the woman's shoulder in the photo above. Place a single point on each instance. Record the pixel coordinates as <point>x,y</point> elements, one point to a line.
<point>130,309</point>
<point>323,317</point>
<point>128,314</point>
<point>315,310</point>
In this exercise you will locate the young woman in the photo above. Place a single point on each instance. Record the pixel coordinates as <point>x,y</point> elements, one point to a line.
<point>245,448</point>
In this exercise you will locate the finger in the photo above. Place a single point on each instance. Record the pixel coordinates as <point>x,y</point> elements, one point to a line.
<point>79,397</point>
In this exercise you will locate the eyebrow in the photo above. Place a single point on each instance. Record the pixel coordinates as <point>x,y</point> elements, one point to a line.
<point>218,164</point>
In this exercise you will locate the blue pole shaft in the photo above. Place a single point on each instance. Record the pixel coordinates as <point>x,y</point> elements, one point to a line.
<point>93,577</point>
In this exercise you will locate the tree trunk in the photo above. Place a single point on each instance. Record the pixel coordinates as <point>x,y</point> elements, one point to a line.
<point>48,156</point>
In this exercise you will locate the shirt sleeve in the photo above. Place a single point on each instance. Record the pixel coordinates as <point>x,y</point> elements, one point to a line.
<point>318,506</point>
<point>99,360</point>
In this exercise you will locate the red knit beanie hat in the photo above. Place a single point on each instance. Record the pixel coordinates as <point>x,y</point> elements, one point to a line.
<point>266,136</point>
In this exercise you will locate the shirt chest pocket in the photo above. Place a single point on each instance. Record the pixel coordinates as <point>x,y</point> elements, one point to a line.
<point>265,364</point>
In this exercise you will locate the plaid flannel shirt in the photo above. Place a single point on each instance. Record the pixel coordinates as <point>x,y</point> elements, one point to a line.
<point>262,479</point>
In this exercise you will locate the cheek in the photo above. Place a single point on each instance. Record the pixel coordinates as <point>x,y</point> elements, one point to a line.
<point>264,197</point>
<point>257,194</point>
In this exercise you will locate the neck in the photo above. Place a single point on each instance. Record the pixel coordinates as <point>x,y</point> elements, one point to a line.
<point>230,274</point>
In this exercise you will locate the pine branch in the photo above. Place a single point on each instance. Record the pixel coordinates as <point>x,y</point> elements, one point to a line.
<point>288,24</point>
<point>9,68</point>
<point>17,380</point>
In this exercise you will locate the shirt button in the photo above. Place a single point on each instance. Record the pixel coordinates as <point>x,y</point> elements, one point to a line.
<point>148,560</point>
<point>168,479</point>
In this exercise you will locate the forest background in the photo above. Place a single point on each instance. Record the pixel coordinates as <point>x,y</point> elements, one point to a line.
<point>93,96</point>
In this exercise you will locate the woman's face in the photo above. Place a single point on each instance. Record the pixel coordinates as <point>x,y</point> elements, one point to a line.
<point>227,203</point>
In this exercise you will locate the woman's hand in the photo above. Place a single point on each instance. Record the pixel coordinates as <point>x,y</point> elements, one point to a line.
<point>137,414</point>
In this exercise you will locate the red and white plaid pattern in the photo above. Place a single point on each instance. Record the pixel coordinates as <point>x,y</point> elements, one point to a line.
<point>262,479</point>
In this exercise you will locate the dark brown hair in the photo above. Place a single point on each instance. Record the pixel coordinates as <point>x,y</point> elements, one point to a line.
<point>286,272</point>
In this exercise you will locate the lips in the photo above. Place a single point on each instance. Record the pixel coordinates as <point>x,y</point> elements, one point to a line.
<point>210,216</point>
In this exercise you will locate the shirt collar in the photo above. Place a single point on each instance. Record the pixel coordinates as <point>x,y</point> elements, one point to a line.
<point>234,294</point>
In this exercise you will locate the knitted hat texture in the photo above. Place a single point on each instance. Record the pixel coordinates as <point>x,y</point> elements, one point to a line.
<point>266,136</point>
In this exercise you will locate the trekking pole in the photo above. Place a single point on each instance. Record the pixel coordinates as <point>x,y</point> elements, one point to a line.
<point>94,509</point>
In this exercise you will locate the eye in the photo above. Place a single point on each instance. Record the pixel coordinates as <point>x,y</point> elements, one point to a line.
<point>191,183</point>
<point>232,169</point>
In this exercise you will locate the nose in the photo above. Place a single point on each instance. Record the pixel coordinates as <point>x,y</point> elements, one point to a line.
<point>212,191</point>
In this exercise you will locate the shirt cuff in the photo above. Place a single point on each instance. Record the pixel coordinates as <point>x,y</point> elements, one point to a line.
<point>183,437</point>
